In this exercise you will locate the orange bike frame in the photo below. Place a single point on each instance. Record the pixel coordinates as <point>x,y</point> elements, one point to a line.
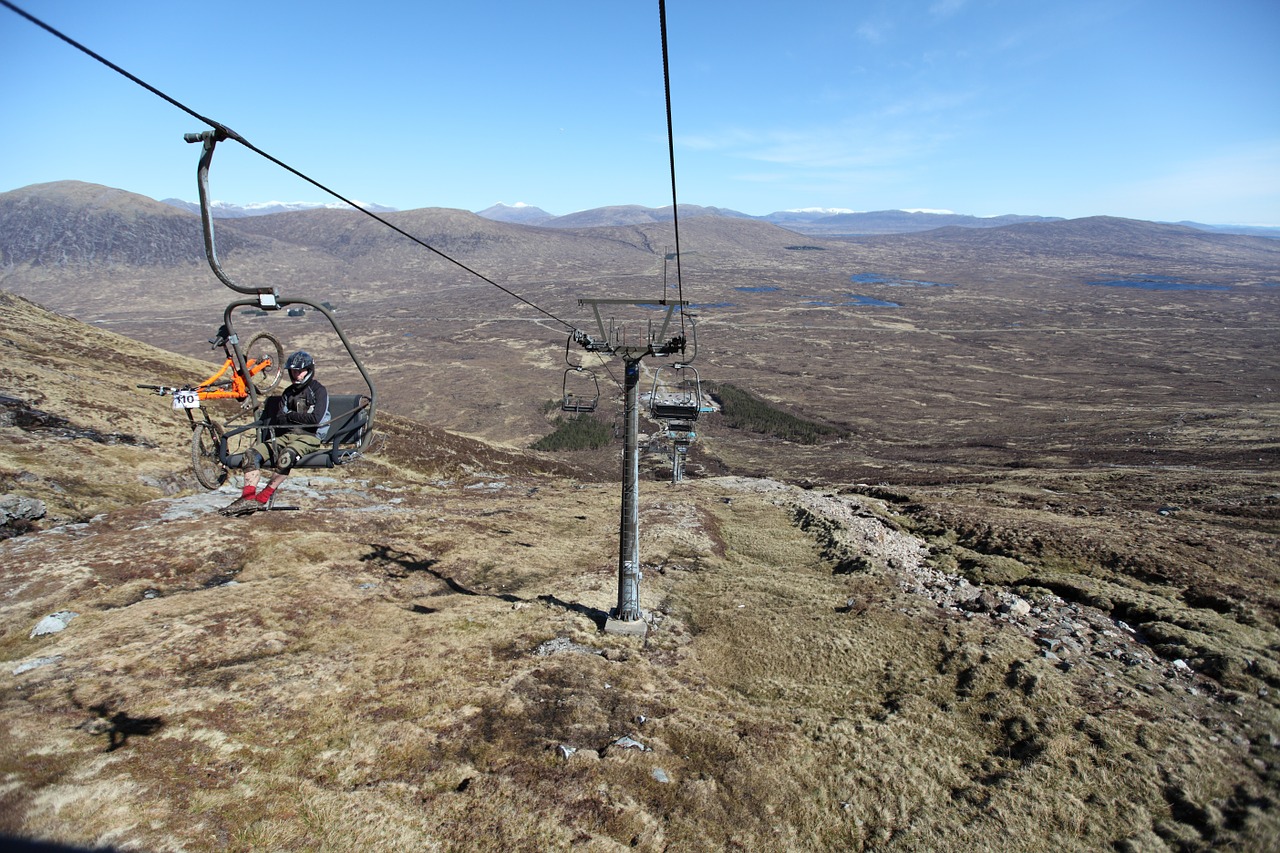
<point>238,390</point>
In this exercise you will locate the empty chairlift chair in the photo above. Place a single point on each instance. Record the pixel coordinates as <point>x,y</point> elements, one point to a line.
<point>581,391</point>
<point>677,394</point>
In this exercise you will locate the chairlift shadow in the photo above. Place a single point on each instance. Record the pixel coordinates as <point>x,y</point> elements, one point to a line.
<point>407,562</point>
<point>118,726</point>
<point>595,614</point>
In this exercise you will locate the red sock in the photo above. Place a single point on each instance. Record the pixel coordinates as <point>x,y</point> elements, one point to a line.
<point>265,494</point>
<point>247,491</point>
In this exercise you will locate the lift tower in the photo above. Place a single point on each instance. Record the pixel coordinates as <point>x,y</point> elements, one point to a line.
<point>613,340</point>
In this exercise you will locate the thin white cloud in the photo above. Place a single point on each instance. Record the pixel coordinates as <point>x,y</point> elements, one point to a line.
<point>836,147</point>
<point>946,8</point>
<point>1237,186</point>
<point>898,132</point>
<point>873,33</point>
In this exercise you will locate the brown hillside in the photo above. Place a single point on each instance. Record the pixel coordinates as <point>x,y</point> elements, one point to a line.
<point>74,224</point>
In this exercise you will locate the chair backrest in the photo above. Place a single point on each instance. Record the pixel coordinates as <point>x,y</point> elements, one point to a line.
<point>347,419</point>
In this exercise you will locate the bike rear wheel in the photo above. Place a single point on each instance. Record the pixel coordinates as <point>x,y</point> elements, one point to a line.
<point>261,347</point>
<point>205,437</point>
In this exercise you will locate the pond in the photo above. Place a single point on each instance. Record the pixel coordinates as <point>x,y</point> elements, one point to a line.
<point>1158,282</point>
<point>889,281</point>
<point>853,299</point>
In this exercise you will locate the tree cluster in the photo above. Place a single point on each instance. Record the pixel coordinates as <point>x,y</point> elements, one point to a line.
<point>742,410</point>
<point>581,432</point>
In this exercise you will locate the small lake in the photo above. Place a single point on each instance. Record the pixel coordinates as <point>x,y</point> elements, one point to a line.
<point>765,288</point>
<point>853,299</point>
<point>1158,282</point>
<point>857,299</point>
<point>889,281</point>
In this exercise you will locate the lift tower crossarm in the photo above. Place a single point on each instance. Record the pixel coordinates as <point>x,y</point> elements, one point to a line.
<point>609,340</point>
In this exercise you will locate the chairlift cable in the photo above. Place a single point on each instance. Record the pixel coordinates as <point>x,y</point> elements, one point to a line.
<point>231,134</point>
<point>671,151</point>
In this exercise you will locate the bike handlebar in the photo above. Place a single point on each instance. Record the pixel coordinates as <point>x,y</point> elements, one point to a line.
<point>164,389</point>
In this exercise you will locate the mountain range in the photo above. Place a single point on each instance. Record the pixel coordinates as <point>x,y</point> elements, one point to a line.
<point>71,223</point>
<point>817,221</point>
<point>227,210</point>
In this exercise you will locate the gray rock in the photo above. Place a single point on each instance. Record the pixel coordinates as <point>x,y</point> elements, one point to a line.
<point>1017,607</point>
<point>660,775</point>
<point>53,623</point>
<point>20,508</point>
<point>35,663</point>
<point>626,742</point>
<point>563,644</point>
<point>985,602</point>
<point>1070,644</point>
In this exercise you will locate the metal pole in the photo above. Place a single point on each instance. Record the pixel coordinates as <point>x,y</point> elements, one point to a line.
<point>628,609</point>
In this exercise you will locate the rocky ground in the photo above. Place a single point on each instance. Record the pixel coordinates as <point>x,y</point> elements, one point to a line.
<point>399,664</point>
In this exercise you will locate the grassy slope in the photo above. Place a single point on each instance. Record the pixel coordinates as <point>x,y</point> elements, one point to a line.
<point>378,676</point>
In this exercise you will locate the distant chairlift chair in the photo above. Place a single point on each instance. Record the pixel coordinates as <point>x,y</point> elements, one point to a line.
<point>580,389</point>
<point>677,394</point>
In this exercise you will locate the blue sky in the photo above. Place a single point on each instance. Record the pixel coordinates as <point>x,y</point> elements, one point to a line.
<point>1153,109</point>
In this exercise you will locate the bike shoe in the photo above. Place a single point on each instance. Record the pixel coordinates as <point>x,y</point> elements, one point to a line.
<point>242,506</point>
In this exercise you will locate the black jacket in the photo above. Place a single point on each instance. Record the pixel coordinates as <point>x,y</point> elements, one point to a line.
<point>301,409</point>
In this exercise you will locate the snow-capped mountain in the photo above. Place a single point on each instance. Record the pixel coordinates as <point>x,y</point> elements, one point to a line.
<point>227,210</point>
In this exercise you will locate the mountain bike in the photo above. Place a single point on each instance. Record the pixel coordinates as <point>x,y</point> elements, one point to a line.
<point>263,366</point>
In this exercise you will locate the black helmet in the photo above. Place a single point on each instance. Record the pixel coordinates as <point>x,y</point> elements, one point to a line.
<point>301,367</point>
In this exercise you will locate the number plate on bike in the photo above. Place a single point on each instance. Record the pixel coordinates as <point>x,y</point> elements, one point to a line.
<point>186,399</point>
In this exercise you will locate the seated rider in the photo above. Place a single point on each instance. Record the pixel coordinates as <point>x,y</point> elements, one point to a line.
<point>299,420</point>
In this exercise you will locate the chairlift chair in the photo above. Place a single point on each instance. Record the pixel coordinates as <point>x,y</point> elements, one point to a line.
<point>580,390</point>
<point>581,393</point>
<point>677,393</point>
<point>351,416</point>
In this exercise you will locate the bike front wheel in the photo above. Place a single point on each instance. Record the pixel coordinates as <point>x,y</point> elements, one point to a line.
<point>265,347</point>
<point>205,438</point>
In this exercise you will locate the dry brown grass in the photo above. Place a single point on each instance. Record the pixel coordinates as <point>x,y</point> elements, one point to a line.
<point>373,678</point>
<point>371,681</point>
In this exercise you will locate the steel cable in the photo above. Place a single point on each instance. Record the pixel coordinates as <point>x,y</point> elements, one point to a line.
<point>671,152</point>
<point>218,126</point>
